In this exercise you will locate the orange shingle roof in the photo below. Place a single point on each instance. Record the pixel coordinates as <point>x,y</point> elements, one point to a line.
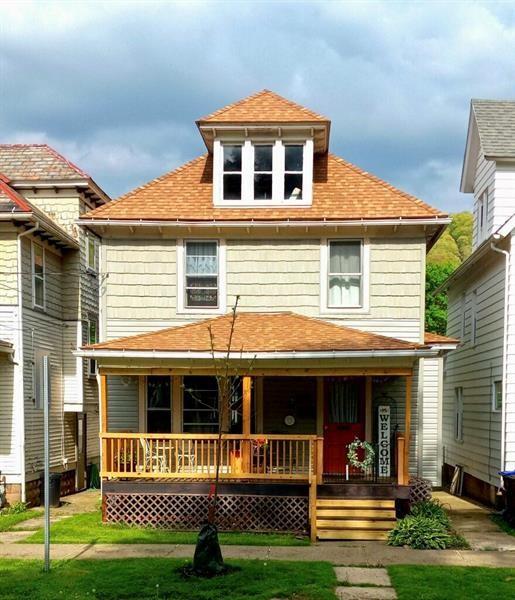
<point>259,332</point>
<point>435,338</point>
<point>340,191</point>
<point>263,107</point>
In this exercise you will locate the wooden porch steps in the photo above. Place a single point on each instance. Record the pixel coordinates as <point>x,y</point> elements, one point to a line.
<point>354,518</point>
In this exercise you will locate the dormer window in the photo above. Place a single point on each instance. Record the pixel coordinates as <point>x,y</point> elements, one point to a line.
<point>262,172</point>
<point>232,172</point>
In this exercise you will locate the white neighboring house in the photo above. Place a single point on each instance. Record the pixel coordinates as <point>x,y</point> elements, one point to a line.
<point>479,389</point>
<point>48,306</point>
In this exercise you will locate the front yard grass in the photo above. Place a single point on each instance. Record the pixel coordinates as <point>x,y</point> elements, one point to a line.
<point>158,578</point>
<point>8,521</point>
<point>451,583</point>
<point>87,528</point>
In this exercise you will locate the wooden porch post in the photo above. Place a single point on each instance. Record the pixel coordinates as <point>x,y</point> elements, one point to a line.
<point>368,408</point>
<point>177,404</point>
<point>247,414</point>
<point>319,466</point>
<point>407,426</point>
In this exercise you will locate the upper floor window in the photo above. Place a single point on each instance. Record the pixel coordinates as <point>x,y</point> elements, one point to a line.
<point>497,396</point>
<point>38,275</point>
<point>473,318</point>
<point>232,172</point>
<point>458,414</point>
<point>344,274</point>
<point>201,275</point>
<point>263,173</point>
<point>91,253</point>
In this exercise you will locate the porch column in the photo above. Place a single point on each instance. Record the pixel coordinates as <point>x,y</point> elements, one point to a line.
<point>368,409</point>
<point>407,426</point>
<point>247,413</point>
<point>319,464</point>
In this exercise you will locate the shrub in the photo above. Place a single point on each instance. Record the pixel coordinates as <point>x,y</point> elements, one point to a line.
<point>14,509</point>
<point>421,533</point>
<point>432,509</point>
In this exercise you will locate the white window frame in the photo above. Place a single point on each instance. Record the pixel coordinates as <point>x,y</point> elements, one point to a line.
<point>482,214</point>
<point>247,166</point>
<point>92,366</point>
<point>495,408</point>
<point>91,240</point>
<point>181,279</point>
<point>463,316</point>
<point>272,172</point>
<point>39,277</point>
<point>458,414</point>
<point>473,318</point>
<point>324,277</point>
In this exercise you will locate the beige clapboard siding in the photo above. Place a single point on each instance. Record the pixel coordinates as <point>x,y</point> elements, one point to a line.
<point>93,440</point>
<point>430,420</point>
<point>475,368</point>
<point>139,291</point>
<point>8,268</point>
<point>123,404</point>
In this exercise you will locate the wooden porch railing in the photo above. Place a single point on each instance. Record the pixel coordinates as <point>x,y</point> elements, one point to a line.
<point>193,456</point>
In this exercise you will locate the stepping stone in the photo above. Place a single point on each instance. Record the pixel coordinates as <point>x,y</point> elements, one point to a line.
<point>365,593</point>
<point>362,576</point>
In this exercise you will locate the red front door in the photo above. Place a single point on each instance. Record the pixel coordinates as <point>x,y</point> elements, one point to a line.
<point>344,420</point>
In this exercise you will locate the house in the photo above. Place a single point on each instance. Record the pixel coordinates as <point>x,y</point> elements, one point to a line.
<point>48,307</point>
<point>479,399</point>
<point>328,345</point>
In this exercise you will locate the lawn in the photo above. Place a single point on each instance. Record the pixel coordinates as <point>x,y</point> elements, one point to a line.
<point>87,528</point>
<point>7,522</point>
<point>158,578</point>
<point>503,524</point>
<point>452,583</point>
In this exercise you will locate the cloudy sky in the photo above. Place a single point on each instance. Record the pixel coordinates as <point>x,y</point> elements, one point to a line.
<point>116,86</point>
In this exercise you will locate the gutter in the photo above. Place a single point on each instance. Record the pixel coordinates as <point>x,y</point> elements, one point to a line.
<point>20,397</point>
<point>506,254</point>
<point>331,354</point>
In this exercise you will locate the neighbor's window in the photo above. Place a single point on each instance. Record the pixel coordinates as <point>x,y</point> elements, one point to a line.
<point>293,168</point>
<point>473,318</point>
<point>232,171</point>
<point>92,339</point>
<point>344,273</point>
<point>38,275</point>
<point>159,404</point>
<point>92,253</point>
<point>263,161</point>
<point>458,414</point>
<point>201,275</point>
<point>497,396</point>
<point>463,315</point>
<point>482,217</point>
<point>200,405</point>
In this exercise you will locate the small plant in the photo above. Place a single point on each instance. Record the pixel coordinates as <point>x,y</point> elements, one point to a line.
<point>421,533</point>
<point>14,509</point>
<point>432,509</point>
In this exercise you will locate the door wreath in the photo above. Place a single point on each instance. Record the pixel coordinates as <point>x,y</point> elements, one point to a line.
<point>352,454</point>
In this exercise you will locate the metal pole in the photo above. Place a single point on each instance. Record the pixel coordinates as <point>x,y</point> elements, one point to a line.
<point>46,410</point>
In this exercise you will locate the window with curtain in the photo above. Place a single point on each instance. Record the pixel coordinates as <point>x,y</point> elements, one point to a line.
<point>344,273</point>
<point>159,404</point>
<point>201,273</point>
<point>344,402</point>
<point>200,405</point>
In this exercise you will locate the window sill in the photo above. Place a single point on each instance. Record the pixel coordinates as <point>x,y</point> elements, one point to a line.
<point>358,310</point>
<point>201,311</point>
<point>91,271</point>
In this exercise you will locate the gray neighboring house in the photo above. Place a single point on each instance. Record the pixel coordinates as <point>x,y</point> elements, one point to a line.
<point>48,307</point>
<point>479,388</point>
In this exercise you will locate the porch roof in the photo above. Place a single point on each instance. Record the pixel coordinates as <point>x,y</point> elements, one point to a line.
<point>259,334</point>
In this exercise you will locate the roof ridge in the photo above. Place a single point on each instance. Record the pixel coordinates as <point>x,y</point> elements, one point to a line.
<point>262,92</point>
<point>385,184</point>
<point>15,196</point>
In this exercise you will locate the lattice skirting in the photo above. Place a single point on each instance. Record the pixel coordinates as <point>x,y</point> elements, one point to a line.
<point>189,511</point>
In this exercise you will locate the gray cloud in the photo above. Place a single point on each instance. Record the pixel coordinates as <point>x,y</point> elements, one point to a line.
<point>117,86</point>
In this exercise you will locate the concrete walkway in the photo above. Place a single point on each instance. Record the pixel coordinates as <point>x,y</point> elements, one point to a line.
<point>379,586</point>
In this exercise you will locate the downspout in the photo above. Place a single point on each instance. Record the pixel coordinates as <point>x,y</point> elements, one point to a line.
<point>505,349</point>
<point>20,361</point>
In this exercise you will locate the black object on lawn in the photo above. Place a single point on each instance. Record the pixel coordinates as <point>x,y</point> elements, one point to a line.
<point>208,561</point>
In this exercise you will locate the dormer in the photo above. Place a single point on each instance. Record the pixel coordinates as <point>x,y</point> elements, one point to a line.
<point>263,149</point>
<point>489,165</point>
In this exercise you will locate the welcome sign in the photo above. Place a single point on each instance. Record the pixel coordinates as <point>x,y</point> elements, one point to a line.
<point>383,413</point>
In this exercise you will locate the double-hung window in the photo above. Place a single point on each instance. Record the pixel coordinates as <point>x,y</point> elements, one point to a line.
<point>293,171</point>
<point>263,171</point>
<point>201,289</point>
<point>345,274</point>
<point>159,404</point>
<point>473,318</point>
<point>92,339</point>
<point>232,171</point>
<point>38,275</point>
<point>458,414</point>
<point>497,396</point>
<point>200,405</point>
<point>91,253</point>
